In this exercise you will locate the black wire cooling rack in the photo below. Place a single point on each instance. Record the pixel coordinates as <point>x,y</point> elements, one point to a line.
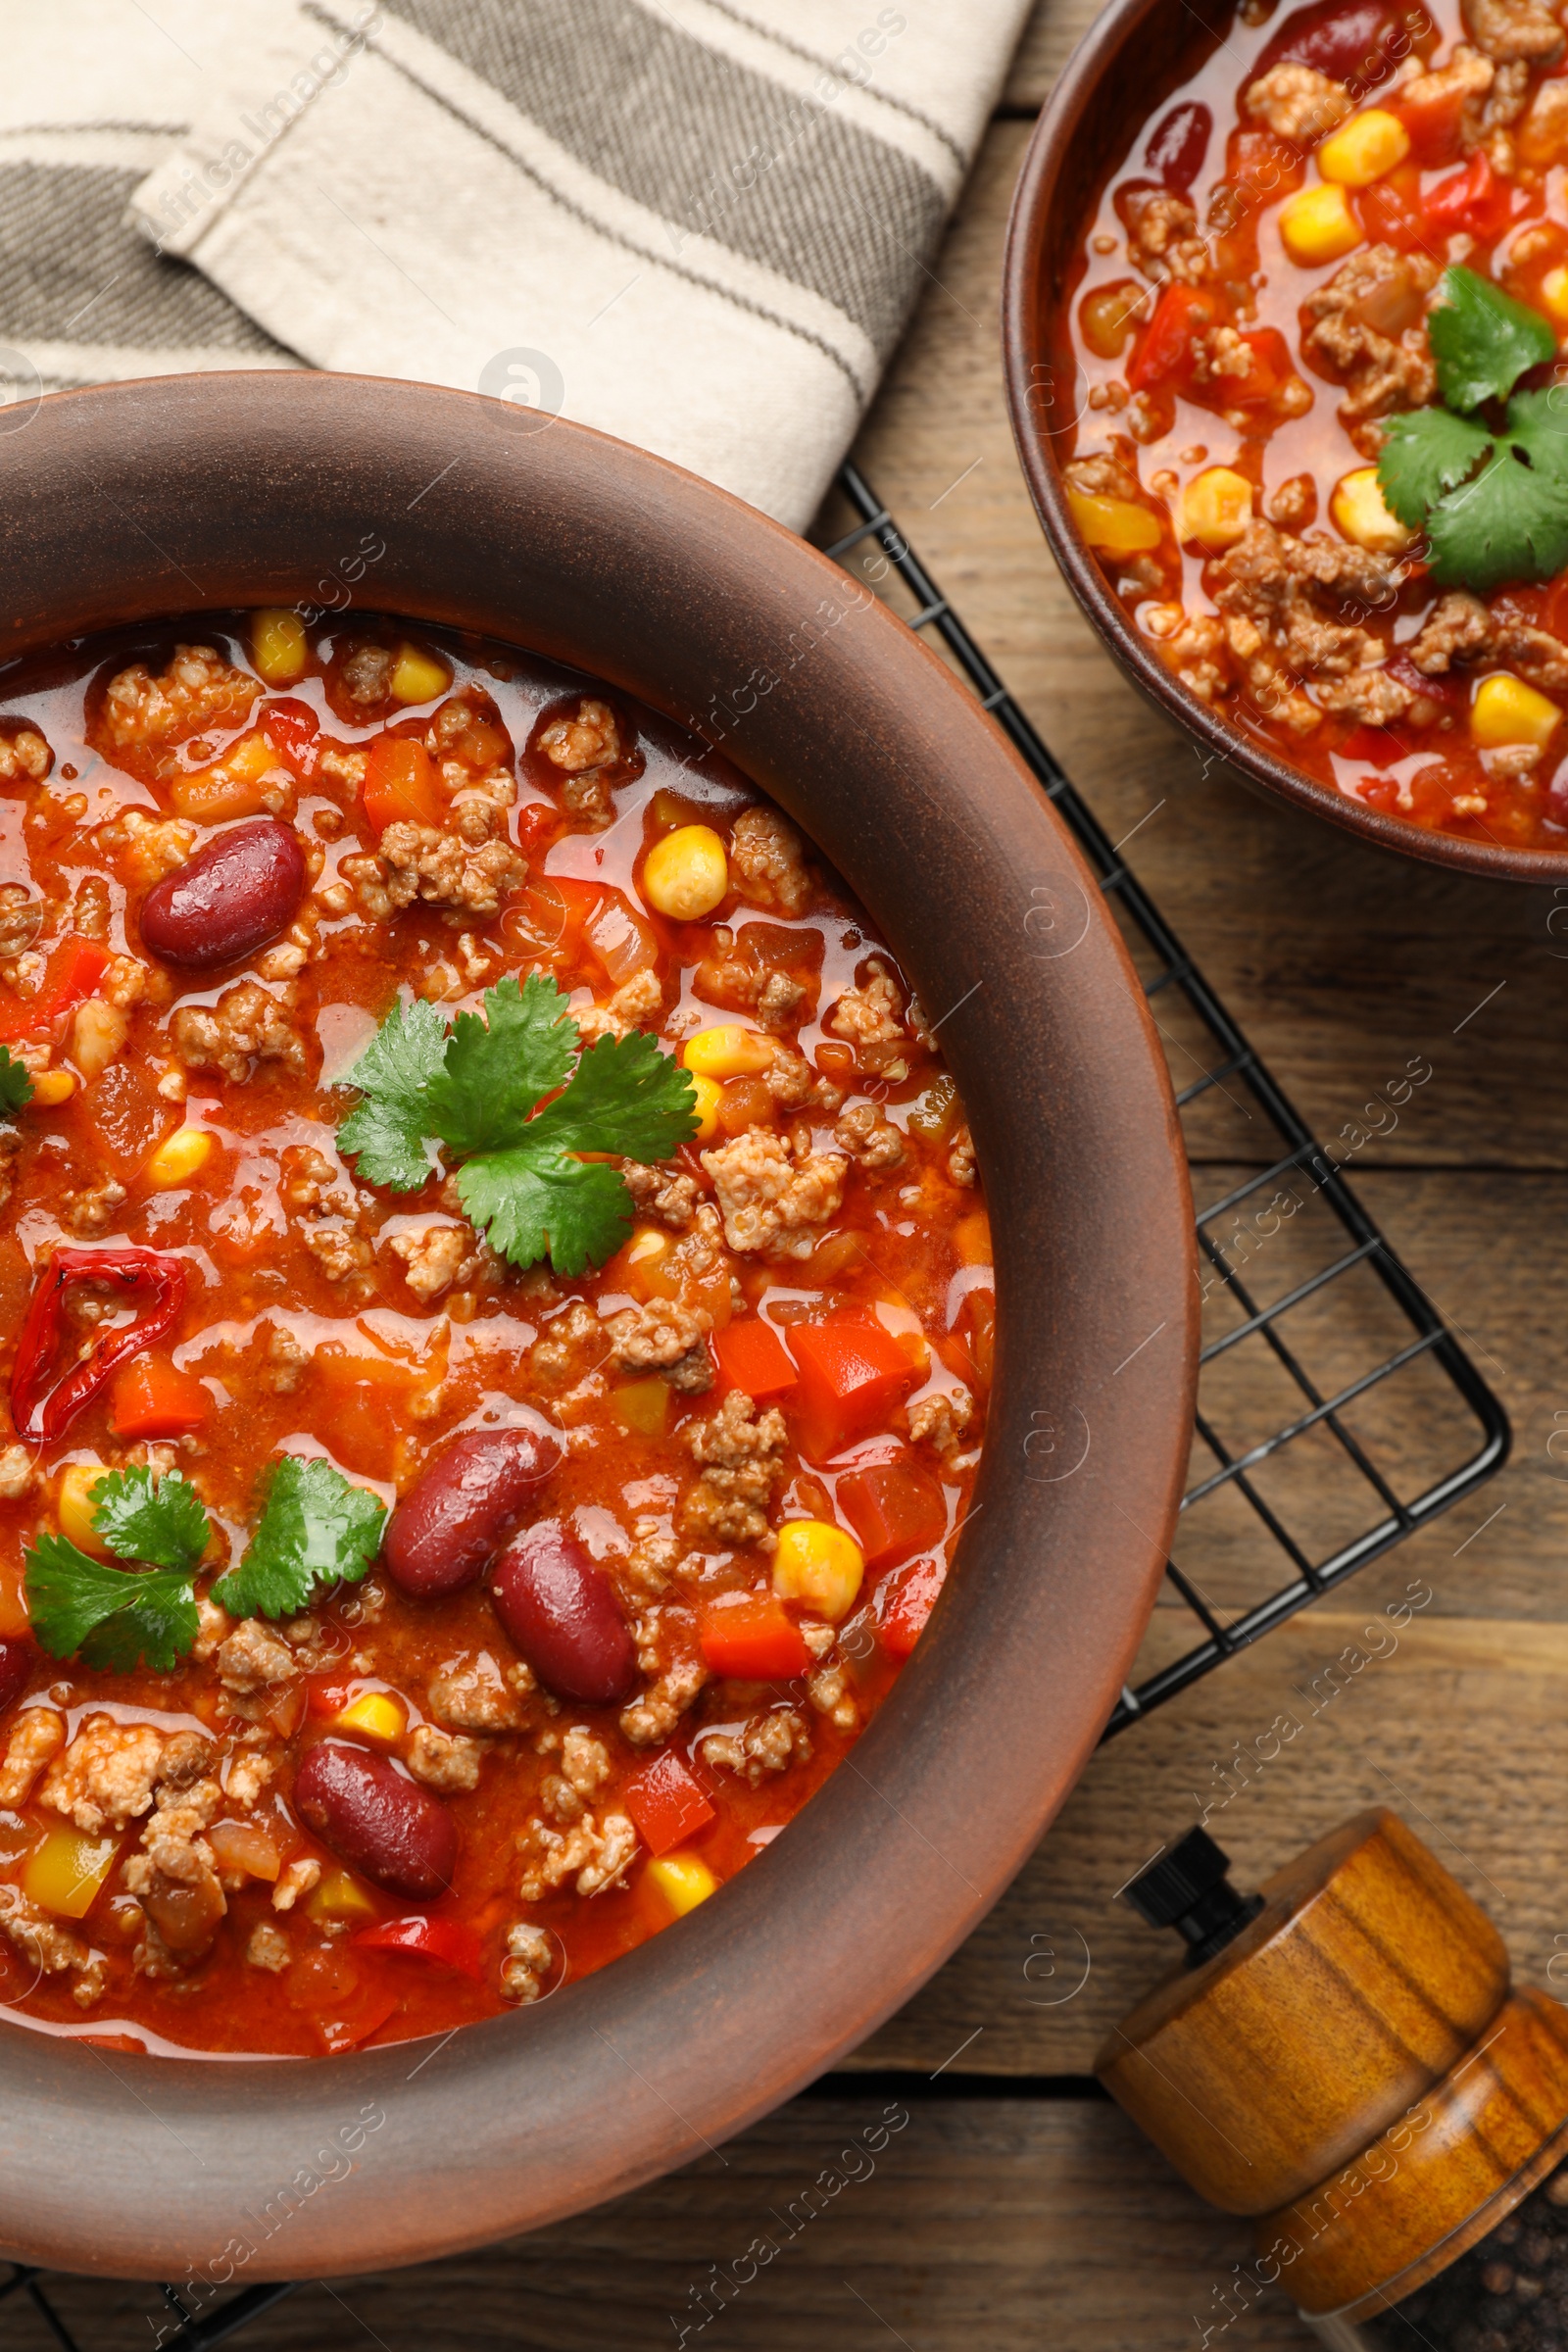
<point>1337,1411</point>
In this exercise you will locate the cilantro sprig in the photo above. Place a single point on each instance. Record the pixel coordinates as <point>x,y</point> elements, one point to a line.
<point>113,1617</point>
<point>477,1090</point>
<point>316,1530</point>
<point>1492,499</point>
<point>15,1085</point>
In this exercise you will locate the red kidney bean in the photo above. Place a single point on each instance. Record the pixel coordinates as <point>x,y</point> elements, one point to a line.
<point>1178,146</point>
<point>388,1826</point>
<point>233,896</point>
<point>17,1661</point>
<point>1346,39</point>
<point>460,1510</point>
<point>561,1610</point>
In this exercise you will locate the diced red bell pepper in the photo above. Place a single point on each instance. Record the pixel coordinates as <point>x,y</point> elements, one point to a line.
<point>912,1598</point>
<point>151,1399</point>
<point>1180,314</point>
<point>1391,210</point>
<point>896,1509</point>
<point>328,1694</point>
<point>75,971</point>
<point>853,1373</point>
<point>449,1941</point>
<point>752,1358</point>
<point>1379,746</point>
<point>400,784</point>
<point>293,730</point>
<point>1475,201</point>
<point>666,1803</point>
<point>1434,128</point>
<point>354,2018</point>
<point>41,1410</point>
<point>748,1635</point>
<point>1271,367</point>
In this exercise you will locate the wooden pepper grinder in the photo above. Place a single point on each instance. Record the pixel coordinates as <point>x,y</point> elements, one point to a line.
<point>1343,2057</point>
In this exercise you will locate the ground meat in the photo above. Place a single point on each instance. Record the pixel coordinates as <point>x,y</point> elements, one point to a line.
<point>740,1458</point>
<point>106,1775</point>
<point>1467,75</point>
<point>792,1082</point>
<point>828,1691</point>
<point>20,921</point>
<point>1544,133</point>
<point>247,1776</point>
<point>268,1947</point>
<point>431,1257</point>
<point>196,691</point>
<point>1194,649</point>
<point>870,1018</point>
<point>1297,103</point>
<point>597,1851</point>
<point>960,1157</point>
<point>651,1718</point>
<point>1100,475</point>
<point>444,1760</point>
<point>767,861</point>
<point>592,753</point>
<point>49,1947</point>
<point>1508,29</point>
<point>584,1769</point>
<point>149,848</point>
<point>1365,326</point>
<point>246,1026</point>
<point>471,1694</point>
<point>869,1139</point>
<point>530,1960</point>
<point>780,1000</point>
<point>771,1202</point>
<point>25,756</point>
<point>1162,237</point>
<point>252,1657</point>
<point>649,1565</point>
<point>175,1880</point>
<point>91,1211</point>
<point>942,1420</point>
<point>286,1359</point>
<point>366,675</point>
<point>1294,505</point>
<point>572,1343</point>
<point>656,1193</point>
<point>36,1738</point>
<point>1369,695</point>
<point>665,1337</point>
<point>339,1252</point>
<point>18,1475</point>
<point>298,1878</point>
<point>1461,628</point>
<point>766,1743</point>
<point>418,861</point>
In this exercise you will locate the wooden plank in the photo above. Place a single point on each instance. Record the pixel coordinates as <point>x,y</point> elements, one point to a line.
<point>968,2225</point>
<point>1053,29</point>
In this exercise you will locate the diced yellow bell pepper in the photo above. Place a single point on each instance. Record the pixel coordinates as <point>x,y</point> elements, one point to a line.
<point>73,1506</point>
<point>376,1713</point>
<point>686,874</point>
<point>1358,510</point>
<point>1118,527</point>
<point>1317,225</point>
<point>642,1406</point>
<point>971,1240</point>
<point>180,1157</point>
<point>66,1870</point>
<point>679,1882</point>
<point>418,677</point>
<point>1364,149</point>
<point>338,1897</point>
<point>280,647</point>
<point>1216,509</point>
<point>1552,295</point>
<point>51,1087</point>
<point>232,787</point>
<point>1507,710</point>
<point>818,1564</point>
<point>728,1052</point>
<point>710,1095</point>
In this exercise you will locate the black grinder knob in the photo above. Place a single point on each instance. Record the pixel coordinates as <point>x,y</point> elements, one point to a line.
<point>1189,1890</point>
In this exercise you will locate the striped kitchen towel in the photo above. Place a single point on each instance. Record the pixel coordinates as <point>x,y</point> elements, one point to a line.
<point>696,225</point>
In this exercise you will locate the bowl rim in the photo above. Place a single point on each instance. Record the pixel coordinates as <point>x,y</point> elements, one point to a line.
<point>1029,244</point>
<point>674,591</point>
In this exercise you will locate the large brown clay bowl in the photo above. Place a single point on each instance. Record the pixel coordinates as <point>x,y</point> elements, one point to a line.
<point>1134,55</point>
<point>144,498</point>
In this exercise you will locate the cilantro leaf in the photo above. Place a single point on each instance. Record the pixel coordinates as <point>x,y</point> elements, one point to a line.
<point>109,1617</point>
<point>1483,339</point>
<point>160,1520</point>
<point>496,1070</point>
<point>1510,522</point>
<point>625,1096</point>
<point>1427,452</point>
<point>387,1130</point>
<point>316,1530</point>
<point>15,1084</point>
<point>536,1198</point>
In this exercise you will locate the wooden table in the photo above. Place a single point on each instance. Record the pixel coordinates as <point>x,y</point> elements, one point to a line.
<point>1011,2207</point>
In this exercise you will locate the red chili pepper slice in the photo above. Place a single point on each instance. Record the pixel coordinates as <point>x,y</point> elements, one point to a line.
<point>76,968</point>
<point>448,1941</point>
<point>42,1413</point>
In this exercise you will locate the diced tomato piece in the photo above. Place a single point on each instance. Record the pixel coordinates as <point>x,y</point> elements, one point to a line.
<point>1271,367</point>
<point>1180,314</point>
<point>400,784</point>
<point>150,1399</point>
<point>451,1942</point>
<point>1434,128</point>
<point>896,1509</point>
<point>292,728</point>
<point>666,1803</point>
<point>75,971</point>
<point>912,1596</point>
<point>354,2018</point>
<point>751,1356</point>
<point>328,1694</point>
<point>853,1373</point>
<point>1474,200</point>
<point>1377,746</point>
<point>1391,210</point>
<point>747,1634</point>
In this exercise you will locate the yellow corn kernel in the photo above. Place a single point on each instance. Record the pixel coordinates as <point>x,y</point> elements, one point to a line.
<point>338,1897</point>
<point>1115,526</point>
<point>418,676</point>
<point>818,1564</point>
<point>51,1087</point>
<point>1357,510</point>
<point>180,1157</point>
<point>1318,225</point>
<point>642,1406</point>
<point>728,1052</point>
<point>1364,149</point>
<point>710,1094</point>
<point>686,874</point>
<point>376,1713</point>
<point>1507,710</point>
<point>280,647</point>
<point>73,1506</point>
<point>679,1882</point>
<point>1552,295</point>
<point>64,1871</point>
<point>1216,510</point>
<point>98,1031</point>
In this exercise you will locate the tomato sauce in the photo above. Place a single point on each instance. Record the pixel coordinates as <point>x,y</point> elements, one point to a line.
<point>234,847</point>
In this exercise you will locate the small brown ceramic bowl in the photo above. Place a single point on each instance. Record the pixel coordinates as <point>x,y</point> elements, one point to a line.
<point>1132,58</point>
<point>138,499</point>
